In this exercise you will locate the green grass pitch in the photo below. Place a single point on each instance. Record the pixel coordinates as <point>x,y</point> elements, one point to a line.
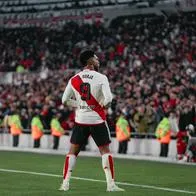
<point>138,178</point>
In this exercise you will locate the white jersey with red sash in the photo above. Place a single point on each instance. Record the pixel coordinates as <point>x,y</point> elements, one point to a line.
<point>91,92</point>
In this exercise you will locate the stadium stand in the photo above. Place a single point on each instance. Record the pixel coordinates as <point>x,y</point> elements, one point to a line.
<point>150,60</point>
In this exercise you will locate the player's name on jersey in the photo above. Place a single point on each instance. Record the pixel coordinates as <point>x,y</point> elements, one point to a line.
<point>87,76</point>
<point>89,107</point>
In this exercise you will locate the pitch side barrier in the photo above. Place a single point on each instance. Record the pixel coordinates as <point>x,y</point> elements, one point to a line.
<point>113,134</point>
<point>139,144</point>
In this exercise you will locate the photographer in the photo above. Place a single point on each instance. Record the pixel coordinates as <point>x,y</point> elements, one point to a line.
<point>190,155</point>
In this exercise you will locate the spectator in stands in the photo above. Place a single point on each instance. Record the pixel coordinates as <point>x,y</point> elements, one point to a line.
<point>140,120</point>
<point>1,119</point>
<point>151,118</point>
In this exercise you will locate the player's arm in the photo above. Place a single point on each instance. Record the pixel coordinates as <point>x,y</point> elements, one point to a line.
<point>67,96</point>
<point>106,93</point>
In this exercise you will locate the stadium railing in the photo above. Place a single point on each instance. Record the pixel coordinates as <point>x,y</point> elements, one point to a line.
<point>68,132</point>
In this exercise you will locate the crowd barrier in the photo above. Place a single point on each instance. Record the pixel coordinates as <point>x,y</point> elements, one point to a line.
<point>136,146</point>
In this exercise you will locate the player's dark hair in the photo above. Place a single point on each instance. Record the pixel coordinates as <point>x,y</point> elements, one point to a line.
<point>85,55</point>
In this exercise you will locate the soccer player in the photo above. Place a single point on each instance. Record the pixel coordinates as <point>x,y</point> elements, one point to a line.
<point>90,93</point>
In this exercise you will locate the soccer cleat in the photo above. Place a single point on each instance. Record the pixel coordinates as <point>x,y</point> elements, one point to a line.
<point>183,160</point>
<point>113,188</point>
<point>64,186</point>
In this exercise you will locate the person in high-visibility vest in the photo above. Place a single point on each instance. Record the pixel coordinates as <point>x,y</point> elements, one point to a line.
<point>56,130</point>
<point>37,130</point>
<point>15,127</point>
<point>123,132</point>
<point>163,134</point>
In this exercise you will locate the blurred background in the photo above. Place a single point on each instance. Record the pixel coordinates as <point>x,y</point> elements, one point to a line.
<point>147,48</point>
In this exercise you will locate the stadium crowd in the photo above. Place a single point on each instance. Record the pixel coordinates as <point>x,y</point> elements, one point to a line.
<point>150,62</point>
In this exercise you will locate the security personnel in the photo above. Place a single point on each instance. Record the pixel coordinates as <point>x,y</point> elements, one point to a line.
<point>123,133</point>
<point>37,130</point>
<point>15,127</point>
<point>56,130</point>
<point>163,134</point>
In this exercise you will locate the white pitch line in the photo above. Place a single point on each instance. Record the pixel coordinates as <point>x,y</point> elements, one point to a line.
<point>94,180</point>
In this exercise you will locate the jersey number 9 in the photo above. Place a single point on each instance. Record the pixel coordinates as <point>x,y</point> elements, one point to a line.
<point>85,90</point>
